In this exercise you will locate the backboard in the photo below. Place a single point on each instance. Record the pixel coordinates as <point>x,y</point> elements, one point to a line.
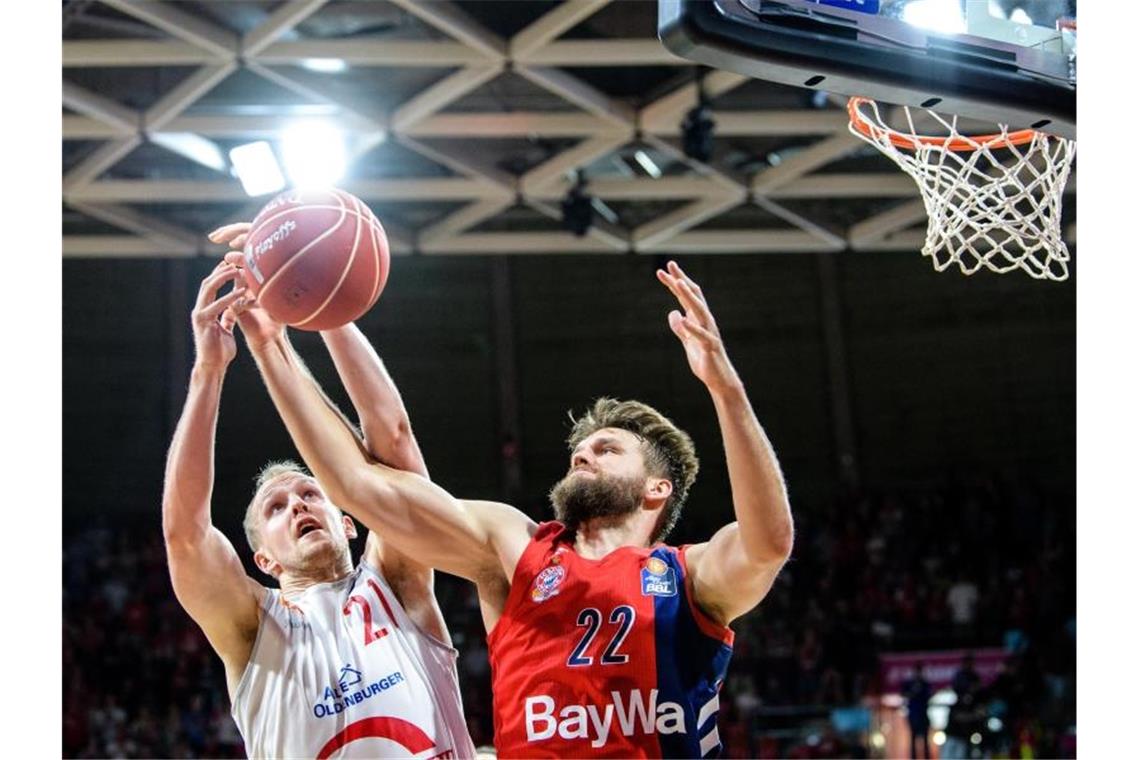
<point>1006,61</point>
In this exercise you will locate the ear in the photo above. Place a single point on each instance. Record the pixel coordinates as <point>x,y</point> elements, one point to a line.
<point>266,564</point>
<point>657,491</point>
<point>349,527</point>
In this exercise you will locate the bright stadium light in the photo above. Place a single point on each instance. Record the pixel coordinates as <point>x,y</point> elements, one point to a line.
<point>647,164</point>
<point>939,738</point>
<point>1021,17</point>
<point>313,153</point>
<point>257,168</point>
<point>324,65</point>
<point>936,15</point>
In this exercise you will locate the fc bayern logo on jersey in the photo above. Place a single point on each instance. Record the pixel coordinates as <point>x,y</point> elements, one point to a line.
<point>547,583</point>
<point>657,578</point>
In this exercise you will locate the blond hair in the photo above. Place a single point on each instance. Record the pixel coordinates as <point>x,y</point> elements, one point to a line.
<point>668,450</point>
<point>268,473</point>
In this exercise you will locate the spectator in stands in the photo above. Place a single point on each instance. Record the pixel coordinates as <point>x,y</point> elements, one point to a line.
<point>966,679</point>
<point>917,692</point>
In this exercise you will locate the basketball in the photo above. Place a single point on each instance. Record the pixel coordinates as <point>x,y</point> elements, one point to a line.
<point>316,259</point>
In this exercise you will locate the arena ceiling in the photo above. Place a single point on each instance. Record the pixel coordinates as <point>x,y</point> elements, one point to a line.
<point>467,122</point>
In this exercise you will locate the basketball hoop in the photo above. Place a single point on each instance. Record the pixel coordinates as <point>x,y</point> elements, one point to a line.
<point>993,200</point>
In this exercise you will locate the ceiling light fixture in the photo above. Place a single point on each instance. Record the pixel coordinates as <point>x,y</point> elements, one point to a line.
<point>936,15</point>
<point>578,208</point>
<point>647,164</point>
<point>698,126</point>
<point>313,153</point>
<point>324,65</point>
<point>257,168</point>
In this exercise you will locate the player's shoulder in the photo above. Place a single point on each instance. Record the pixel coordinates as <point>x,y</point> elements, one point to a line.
<point>500,517</point>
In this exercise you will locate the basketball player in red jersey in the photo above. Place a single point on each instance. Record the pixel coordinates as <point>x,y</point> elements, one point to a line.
<point>340,661</point>
<point>603,641</point>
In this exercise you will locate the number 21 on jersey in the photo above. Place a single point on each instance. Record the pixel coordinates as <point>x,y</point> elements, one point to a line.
<point>371,633</point>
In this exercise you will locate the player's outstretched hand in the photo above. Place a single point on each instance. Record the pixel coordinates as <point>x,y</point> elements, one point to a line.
<point>233,235</point>
<point>212,318</point>
<point>697,330</point>
<point>257,326</point>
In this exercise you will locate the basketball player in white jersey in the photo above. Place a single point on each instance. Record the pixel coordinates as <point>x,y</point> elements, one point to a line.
<point>339,661</point>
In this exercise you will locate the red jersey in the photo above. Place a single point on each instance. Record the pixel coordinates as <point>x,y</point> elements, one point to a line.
<point>605,658</point>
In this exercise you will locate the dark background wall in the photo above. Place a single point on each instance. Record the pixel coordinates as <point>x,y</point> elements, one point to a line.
<point>946,376</point>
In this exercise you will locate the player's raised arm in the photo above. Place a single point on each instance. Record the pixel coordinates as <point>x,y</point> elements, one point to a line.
<point>384,420</point>
<point>426,522</point>
<point>735,569</point>
<point>207,576</point>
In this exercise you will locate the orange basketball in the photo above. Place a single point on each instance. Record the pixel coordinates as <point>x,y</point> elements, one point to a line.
<point>316,259</point>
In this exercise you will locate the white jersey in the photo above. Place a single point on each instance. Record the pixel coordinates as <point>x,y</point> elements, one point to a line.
<point>343,672</point>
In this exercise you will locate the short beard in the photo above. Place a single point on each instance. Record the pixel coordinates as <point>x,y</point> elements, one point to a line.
<point>578,499</point>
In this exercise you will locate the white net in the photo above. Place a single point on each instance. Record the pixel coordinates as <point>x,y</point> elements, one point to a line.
<point>993,201</point>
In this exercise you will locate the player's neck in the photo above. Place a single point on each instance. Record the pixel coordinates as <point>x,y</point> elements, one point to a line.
<point>596,538</point>
<point>294,583</point>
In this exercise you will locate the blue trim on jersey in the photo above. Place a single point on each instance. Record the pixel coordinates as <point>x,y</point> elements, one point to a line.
<point>690,665</point>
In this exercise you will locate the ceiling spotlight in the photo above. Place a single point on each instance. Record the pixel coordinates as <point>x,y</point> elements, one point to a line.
<point>578,208</point>
<point>697,128</point>
<point>646,163</point>
<point>257,168</point>
<point>314,153</point>
<point>936,15</point>
<point>325,65</point>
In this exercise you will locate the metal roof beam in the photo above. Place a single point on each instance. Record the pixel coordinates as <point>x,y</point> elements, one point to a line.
<point>279,22</point>
<point>468,164</point>
<point>119,246</point>
<point>581,94</point>
<point>519,243</point>
<point>838,242</point>
<point>872,230</point>
<point>169,235</point>
<point>582,154</point>
<point>660,230</point>
<point>397,190</point>
<point>101,160</point>
<point>745,241</point>
<point>124,120</point>
<point>453,20</point>
<point>116,53</point>
<point>773,123</point>
<point>811,158</point>
<point>550,25</point>
<point>667,111</point>
<point>185,93</point>
<point>354,120</point>
<point>441,93</point>
<point>600,229</point>
<point>166,16</point>
<point>611,52</point>
<point>363,51</point>
<point>461,220</point>
<point>512,124</point>
<point>86,128</point>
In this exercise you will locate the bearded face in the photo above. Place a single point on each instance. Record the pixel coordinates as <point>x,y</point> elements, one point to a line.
<point>580,497</point>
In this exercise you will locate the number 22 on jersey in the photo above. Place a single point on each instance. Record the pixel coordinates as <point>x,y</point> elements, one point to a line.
<point>621,617</point>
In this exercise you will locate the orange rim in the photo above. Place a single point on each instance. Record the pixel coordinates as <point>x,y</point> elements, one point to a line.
<point>912,142</point>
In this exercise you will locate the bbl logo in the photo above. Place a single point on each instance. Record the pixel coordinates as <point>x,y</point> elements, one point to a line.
<point>657,578</point>
<point>547,583</point>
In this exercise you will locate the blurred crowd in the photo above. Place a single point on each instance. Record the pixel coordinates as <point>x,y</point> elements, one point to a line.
<point>988,564</point>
